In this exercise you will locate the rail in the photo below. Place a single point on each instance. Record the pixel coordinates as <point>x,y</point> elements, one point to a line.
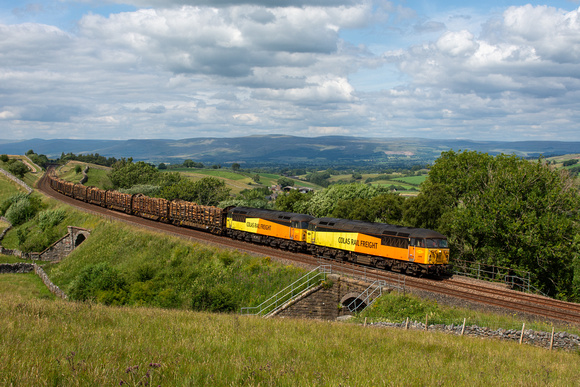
<point>516,278</point>
<point>290,292</point>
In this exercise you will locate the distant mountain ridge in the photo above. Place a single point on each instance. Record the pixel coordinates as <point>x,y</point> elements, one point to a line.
<point>285,150</point>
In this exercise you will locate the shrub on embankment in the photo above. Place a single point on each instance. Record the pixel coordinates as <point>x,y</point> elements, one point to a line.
<point>123,265</point>
<point>63,343</point>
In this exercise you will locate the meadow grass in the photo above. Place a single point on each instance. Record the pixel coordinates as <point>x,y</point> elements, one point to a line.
<point>28,286</point>
<point>64,343</point>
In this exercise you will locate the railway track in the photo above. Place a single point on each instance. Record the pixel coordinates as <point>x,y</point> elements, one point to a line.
<point>478,293</point>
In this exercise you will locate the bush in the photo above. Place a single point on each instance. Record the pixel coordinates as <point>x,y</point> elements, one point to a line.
<point>18,169</point>
<point>4,158</point>
<point>20,212</point>
<point>50,218</point>
<point>101,283</point>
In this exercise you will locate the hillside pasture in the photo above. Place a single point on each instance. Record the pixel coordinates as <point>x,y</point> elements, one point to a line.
<point>65,343</point>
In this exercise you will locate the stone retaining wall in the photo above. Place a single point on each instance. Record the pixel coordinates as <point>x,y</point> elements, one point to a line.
<point>324,302</point>
<point>563,340</point>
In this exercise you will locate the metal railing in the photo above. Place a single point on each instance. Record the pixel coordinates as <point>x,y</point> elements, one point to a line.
<point>515,278</point>
<point>367,297</point>
<point>290,292</point>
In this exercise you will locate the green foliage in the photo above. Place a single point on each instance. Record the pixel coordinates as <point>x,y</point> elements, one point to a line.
<point>126,173</point>
<point>17,168</point>
<point>293,201</point>
<point>235,167</point>
<point>4,158</point>
<point>567,163</point>
<point>50,218</point>
<point>101,283</point>
<point>506,211</point>
<point>192,164</point>
<point>208,191</point>
<point>5,205</point>
<point>385,208</point>
<point>21,209</point>
<point>319,178</point>
<point>78,168</point>
<point>88,158</point>
<point>323,202</point>
<point>285,182</point>
<point>162,166</point>
<point>255,198</point>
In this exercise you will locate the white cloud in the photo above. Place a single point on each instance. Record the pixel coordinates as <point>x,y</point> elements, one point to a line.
<point>199,68</point>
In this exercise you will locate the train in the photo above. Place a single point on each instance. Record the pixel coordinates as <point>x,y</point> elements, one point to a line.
<point>409,250</point>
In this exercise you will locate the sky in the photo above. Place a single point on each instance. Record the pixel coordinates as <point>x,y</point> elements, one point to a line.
<point>174,69</point>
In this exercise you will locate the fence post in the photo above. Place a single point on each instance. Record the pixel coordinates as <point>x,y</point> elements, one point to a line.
<point>552,339</point>
<point>522,334</point>
<point>407,324</point>
<point>463,327</point>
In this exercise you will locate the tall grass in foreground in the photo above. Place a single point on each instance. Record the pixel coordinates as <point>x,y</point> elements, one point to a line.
<point>62,343</point>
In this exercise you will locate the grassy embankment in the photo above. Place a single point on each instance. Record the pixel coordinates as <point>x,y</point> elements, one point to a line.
<point>396,307</point>
<point>62,343</point>
<point>97,174</point>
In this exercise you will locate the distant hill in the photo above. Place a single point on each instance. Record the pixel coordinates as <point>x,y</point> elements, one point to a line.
<point>272,150</point>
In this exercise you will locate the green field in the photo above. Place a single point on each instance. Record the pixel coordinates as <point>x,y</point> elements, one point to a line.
<point>63,343</point>
<point>414,180</point>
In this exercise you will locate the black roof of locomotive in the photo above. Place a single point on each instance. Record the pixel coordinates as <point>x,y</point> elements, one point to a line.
<point>271,214</point>
<point>375,228</point>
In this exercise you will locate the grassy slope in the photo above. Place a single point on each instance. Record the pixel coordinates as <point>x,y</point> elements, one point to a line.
<point>59,343</point>
<point>8,188</point>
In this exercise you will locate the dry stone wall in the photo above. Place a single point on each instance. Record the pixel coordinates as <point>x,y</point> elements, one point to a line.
<point>563,340</point>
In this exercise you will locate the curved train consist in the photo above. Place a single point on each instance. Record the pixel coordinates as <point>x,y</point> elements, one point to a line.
<point>397,248</point>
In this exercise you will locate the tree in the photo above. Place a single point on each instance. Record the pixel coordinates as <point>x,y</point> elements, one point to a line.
<point>126,174</point>
<point>17,168</point>
<point>507,211</point>
<point>4,158</point>
<point>162,166</point>
<point>235,167</point>
<point>285,182</point>
<point>323,202</point>
<point>208,191</point>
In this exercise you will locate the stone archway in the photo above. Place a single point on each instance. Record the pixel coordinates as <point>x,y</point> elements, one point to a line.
<point>79,239</point>
<point>353,302</point>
